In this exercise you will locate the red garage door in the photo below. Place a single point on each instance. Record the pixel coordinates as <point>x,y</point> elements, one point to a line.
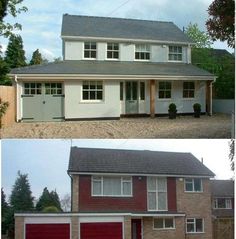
<point>100,230</point>
<point>47,231</point>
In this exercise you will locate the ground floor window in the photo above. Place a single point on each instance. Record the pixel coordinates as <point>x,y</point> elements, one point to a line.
<point>163,223</point>
<point>92,90</point>
<point>188,89</point>
<point>53,88</point>
<point>194,225</point>
<point>165,90</point>
<point>32,88</point>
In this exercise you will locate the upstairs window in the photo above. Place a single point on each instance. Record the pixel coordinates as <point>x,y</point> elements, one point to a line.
<point>193,185</point>
<point>112,51</point>
<point>194,225</point>
<point>188,89</point>
<point>157,194</point>
<point>92,90</point>
<point>90,50</point>
<point>222,203</point>
<point>111,186</point>
<point>163,223</point>
<point>165,90</point>
<point>175,53</point>
<point>142,52</point>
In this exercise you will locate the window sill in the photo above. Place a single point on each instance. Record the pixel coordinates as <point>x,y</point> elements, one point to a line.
<point>176,61</point>
<point>114,196</point>
<point>195,232</point>
<point>92,102</point>
<point>164,229</point>
<point>193,191</point>
<point>90,59</point>
<point>142,60</point>
<point>188,98</point>
<point>112,59</point>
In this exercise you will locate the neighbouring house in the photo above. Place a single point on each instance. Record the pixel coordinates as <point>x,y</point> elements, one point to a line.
<point>223,208</point>
<point>114,67</point>
<point>129,194</point>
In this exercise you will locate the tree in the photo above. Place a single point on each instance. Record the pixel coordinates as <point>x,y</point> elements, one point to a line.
<point>21,198</point>
<point>10,7</point>
<point>5,211</point>
<point>15,54</point>
<point>220,24</point>
<point>48,199</point>
<point>36,58</point>
<point>66,203</point>
<point>200,38</point>
<point>3,9</point>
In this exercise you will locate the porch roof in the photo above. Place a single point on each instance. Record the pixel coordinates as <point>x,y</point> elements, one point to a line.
<point>112,68</point>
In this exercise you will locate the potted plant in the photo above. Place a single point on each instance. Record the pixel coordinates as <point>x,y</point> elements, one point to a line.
<point>197,110</point>
<point>172,111</point>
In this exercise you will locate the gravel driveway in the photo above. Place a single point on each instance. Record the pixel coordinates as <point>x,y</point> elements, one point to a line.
<point>216,126</point>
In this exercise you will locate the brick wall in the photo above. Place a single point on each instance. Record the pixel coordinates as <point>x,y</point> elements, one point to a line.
<point>196,205</point>
<point>177,233</point>
<point>19,227</point>
<point>138,202</point>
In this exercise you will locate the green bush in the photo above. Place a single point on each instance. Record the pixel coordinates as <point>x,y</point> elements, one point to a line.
<point>197,107</point>
<point>51,209</point>
<point>172,107</point>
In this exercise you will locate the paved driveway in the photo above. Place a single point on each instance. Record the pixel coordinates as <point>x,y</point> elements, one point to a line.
<point>216,126</point>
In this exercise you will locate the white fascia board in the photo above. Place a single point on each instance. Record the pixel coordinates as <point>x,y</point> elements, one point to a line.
<point>29,215</point>
<point>63,77</point>
<point>126,40</point>
<point>139,175</point>
<point>159,215</point>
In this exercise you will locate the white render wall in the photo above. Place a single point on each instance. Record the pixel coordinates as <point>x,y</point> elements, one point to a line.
<point>75,108</point>
<point>74,50</point>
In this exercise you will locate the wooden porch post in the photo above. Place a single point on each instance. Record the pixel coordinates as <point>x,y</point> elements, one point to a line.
<point>209,97</point>
<point>152,98</point>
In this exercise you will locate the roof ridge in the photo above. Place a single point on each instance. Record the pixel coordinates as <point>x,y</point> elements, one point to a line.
<point>117,18</point>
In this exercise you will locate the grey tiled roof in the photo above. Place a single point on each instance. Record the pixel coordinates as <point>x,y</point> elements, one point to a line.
<point>222,188</point>
<point>135,162</point>
<point>114,68</point>
<point>223,212</point>
<point>86,26</point>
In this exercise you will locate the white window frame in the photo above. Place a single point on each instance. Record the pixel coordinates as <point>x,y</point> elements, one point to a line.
<point>228,203</point>
<point>123,180</point>
<point>194,223</point>
<point>175,53</point>
<point>142,49</point>
<point>90,50</point>
<point>88,90</point>
<point>156,191</point>
<point>113,51</point>
<point>38,87</point>
<point>189,89</point>
<point>164,223</point>
<point>193,191</point>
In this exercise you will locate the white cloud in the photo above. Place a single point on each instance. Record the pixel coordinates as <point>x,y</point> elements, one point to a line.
<point>47,54</point>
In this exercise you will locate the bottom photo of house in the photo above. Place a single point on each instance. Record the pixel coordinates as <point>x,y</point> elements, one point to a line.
<point>117,189</point>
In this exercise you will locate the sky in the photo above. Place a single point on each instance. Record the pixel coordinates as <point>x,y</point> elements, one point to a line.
<point>46,161</point>
<point>42,23</point>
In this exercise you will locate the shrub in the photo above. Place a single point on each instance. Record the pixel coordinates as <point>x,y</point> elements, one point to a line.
<point>172,107</point>
<point>197,107</point>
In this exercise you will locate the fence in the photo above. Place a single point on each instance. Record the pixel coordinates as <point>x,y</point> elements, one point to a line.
<point>7,94</point>
<point>223,228</point>
<point>223,106</point>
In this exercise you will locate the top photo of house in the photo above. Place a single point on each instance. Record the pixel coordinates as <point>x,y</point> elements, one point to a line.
<point>127,74</point>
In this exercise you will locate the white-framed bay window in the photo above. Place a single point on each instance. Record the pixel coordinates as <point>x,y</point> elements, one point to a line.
<point>157,194</point>
<point>112,186</point>
<point>194,225</point>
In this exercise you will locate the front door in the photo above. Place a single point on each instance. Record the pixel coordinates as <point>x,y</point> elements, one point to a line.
<point>131,101</point>
<point>136,232</point>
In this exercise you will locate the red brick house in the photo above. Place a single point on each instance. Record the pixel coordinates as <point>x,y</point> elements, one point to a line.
<point>129,194</point>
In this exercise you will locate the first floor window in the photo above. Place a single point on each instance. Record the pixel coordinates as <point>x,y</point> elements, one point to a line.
<point>188,89</point>
<point>157,194</point>
<point>32,88</point>
<point>111,186</point>
<point>90,50</point>
<point>92,90</point>
<point>194,225</point>
<point>175,53</point>
<point>163,223</point>
<point>165,90</point>
<point>222,203</point>
<point>142,52</point>
<point>112,51</point>
<point>193,185</point>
